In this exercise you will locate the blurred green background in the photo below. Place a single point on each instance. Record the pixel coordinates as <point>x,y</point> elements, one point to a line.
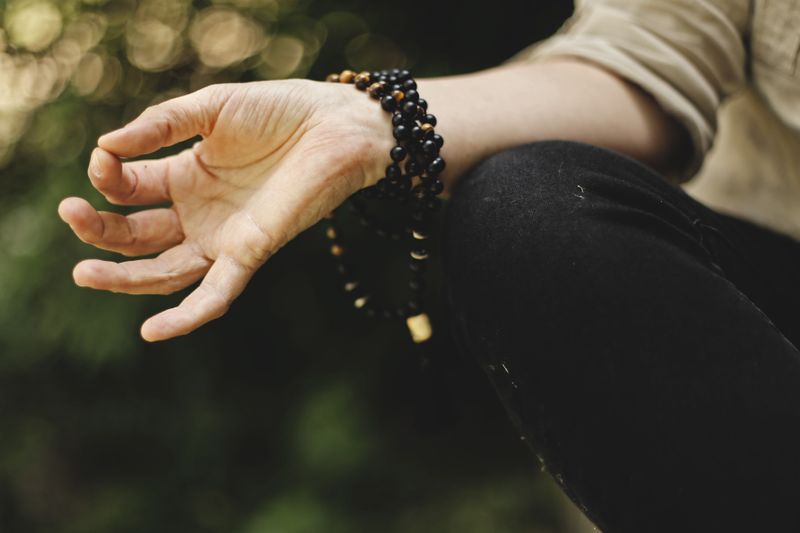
<point>290,414</point>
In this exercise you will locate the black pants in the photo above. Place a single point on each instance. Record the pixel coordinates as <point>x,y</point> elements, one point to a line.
<point>642,343</point>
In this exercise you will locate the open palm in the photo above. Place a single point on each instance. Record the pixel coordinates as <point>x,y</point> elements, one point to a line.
<point>275,158</point>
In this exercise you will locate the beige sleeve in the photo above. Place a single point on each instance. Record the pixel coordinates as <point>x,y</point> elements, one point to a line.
<point>688,54</point>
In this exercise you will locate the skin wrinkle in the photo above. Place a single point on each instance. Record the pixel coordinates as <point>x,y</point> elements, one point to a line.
<point>135,183</point>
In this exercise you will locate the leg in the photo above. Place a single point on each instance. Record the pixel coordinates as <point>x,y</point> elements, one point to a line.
<point>626,329</point>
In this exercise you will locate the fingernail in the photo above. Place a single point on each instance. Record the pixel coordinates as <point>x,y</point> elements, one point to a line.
<point>94,167</point>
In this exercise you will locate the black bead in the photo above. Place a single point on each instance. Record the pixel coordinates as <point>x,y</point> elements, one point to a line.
<point>436,166</point>
<point>401,132</point>
<point>398,153</point>
<point>382,186</point>
<point>417,133</point>
<point>388,103</point>
<point>423,104</point>
<point>398,118</point>
<point>413,305</point>
<point>395,71</point>
<point>433,204</point>
<point>403,74</point>
<point>409,85</point>
<point>420,216</point>
<point>392,79</point>
<point>417,266</point>
<point>401,312</point>
<point>397,87</point>
<point>430,147</point>
<point>438,140</point>
<point>393,171</point>
<point>416,285</point>
<point>412,95</point>
<point>362,84</point>
<point>342,269</point>
<point>374,75</point>
<point>413,168</point>
<point>430,119</point>
<point>436,186</point>
<point>404,185</point>
<point>410,109</point>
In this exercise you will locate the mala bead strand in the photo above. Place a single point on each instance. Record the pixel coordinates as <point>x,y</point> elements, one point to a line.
<point>412,178</point>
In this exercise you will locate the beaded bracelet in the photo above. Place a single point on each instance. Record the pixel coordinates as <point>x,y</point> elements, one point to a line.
<point>411,179</point>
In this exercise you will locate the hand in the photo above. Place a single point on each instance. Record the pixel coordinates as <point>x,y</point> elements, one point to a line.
<point>275,157</point>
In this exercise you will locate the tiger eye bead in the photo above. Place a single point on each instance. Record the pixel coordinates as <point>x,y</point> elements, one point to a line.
<point>347,76</point>
<point>331,233</point>
<point>362,81</point>
<point>398,96</point>
<point>336,250</point>
<point>426,127</point>
<point>376,89</point>
<point>332,77</point>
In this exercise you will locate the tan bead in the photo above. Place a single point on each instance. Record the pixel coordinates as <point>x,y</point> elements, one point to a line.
<point>337,250</point>
<point>362,76</point>
<point>418,236</point>
<point>350,286</point>
<point>331,233</point>
<point>420,327</point>
<point>347,76</point>
<point>398,96</point>
<point>426,127</point>
<point>332,77</point>
<point>360,302</point>
<point>418,256</point>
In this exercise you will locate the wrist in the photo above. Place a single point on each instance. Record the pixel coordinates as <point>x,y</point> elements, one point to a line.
<point>368,137</point>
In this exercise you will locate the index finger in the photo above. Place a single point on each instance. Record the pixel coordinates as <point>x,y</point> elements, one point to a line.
<point>165,124</point>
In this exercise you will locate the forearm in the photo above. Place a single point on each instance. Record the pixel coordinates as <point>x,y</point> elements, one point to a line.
<point>482,113</point>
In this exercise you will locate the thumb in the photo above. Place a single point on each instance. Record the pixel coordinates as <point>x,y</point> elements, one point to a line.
<point>165,124</point>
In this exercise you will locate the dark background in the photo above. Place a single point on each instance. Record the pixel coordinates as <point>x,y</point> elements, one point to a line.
<point>290,414</point>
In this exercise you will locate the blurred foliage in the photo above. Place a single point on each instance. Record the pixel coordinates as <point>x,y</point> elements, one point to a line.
<point>290,414</point>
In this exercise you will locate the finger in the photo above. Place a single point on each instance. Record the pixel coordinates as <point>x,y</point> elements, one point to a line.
<point>165,124</point>
<point>141,233</point>
<point>171,271</point>
<point>225,281</point>
<point>135,182</point>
